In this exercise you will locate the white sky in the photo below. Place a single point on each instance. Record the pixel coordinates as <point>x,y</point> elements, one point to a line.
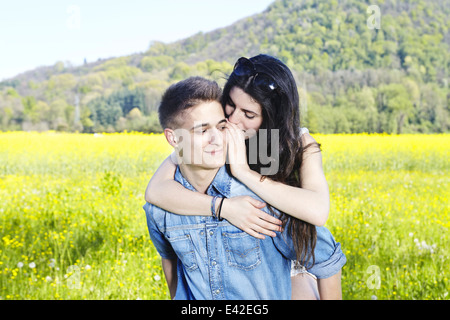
<point>37,33</point>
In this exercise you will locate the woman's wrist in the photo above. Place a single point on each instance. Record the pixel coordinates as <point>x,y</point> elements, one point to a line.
<point>247,177</point>
<point>223,211</point>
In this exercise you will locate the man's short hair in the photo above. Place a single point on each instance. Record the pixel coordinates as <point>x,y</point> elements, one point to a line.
<point>184,95</point>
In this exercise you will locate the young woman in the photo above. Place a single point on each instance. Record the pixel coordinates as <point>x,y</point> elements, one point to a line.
<point>261,101</point>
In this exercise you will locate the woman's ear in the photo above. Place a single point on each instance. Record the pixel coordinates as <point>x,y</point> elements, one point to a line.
<point>171,137</point>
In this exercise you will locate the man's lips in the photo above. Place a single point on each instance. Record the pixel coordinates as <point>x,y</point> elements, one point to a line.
<point>214,152</point>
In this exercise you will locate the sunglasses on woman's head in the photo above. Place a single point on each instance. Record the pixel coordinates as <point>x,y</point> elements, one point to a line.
<point>245,68</point>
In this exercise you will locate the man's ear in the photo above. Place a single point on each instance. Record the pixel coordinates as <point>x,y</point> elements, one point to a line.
<point>171,137</point>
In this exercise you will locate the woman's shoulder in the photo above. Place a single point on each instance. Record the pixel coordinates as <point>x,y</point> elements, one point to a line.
<point>307,139</point>
<point>303,131</point>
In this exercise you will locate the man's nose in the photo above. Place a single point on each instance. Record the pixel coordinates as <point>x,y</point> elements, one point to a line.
<point>215,137</point>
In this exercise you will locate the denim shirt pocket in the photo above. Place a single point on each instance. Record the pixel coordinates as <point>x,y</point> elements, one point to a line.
<point>242,250</point>
<point>183,246</point>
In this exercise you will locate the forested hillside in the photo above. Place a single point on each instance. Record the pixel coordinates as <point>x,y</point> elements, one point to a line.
<point>351,78</point>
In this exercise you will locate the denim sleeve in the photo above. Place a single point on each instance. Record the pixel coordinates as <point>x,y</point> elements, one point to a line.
<point>329,258</point>
<point>160,242</point>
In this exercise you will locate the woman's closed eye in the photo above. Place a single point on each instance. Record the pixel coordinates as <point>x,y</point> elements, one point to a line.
<point>232,109</point>
<point>249,115</point>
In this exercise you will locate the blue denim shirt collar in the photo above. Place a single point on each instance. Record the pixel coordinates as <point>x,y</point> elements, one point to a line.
<point>221,185</point>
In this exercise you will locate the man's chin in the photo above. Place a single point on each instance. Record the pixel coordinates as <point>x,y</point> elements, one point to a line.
<point>211,167</point>
<point>215,165</point>
<point>213,162</point>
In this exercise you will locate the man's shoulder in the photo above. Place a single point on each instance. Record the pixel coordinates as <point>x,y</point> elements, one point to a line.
<point>151,208</point>
<point>237,189</point>
<point>153,212</point>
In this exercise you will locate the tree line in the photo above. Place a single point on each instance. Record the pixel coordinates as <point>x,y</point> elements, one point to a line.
<point>351,78</point>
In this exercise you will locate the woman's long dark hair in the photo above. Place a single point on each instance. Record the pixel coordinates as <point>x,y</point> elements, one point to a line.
<point>280,110</point>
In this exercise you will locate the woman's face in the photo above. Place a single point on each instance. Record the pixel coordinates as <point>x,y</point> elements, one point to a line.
<point>243,111</point>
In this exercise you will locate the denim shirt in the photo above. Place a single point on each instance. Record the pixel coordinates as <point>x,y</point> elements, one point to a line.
<point>217,261</point>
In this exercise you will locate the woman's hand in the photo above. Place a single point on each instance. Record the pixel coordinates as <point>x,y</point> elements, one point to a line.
<point>237,151</point>
<point>244,213</point>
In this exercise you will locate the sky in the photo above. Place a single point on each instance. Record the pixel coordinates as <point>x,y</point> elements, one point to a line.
<point>41,33</point>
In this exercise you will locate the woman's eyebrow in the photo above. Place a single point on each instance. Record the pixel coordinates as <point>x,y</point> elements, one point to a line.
<point>245,110</point>
<point>231,102</point>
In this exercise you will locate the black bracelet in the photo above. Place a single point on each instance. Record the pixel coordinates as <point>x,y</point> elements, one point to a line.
<point>220,210</point>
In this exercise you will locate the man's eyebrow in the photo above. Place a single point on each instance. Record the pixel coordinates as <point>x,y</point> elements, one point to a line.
<point>200,126</point>
<point>207,124</point>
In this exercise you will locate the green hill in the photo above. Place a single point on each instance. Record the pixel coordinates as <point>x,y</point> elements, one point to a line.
<point>352,77</point>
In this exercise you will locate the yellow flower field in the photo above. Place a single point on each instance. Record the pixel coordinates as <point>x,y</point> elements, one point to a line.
<point>72,224</point>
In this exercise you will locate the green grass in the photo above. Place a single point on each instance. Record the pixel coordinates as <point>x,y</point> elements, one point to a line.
<point>72,224</point>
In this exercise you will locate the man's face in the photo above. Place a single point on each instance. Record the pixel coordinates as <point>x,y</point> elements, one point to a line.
<point>200,141</point>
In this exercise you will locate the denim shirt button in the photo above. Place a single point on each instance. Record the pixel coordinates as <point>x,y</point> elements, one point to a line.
<point>213,263</point>
<point>211,233</point>
<point>217,291</point>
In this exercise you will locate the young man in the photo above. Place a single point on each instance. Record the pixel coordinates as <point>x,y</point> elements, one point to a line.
<point>206,257</point>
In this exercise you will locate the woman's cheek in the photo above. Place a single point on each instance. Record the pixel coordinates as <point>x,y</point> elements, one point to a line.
<point>228,111</point>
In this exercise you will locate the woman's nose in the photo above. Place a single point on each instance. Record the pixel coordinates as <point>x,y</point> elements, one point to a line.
<point>236,118</point>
